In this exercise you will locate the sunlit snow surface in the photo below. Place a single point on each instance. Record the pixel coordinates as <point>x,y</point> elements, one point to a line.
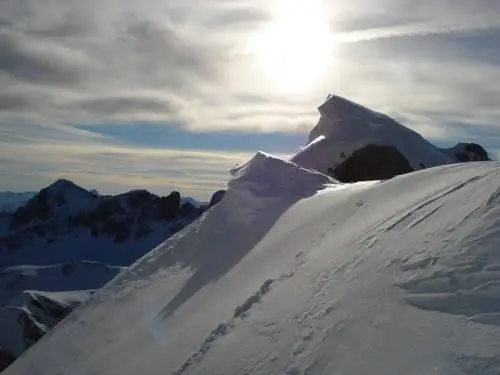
<point>305,277</point>
<point>345,127</point>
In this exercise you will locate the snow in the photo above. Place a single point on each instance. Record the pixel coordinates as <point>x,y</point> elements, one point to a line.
<point>74,198</point>
<point>192,201</point>
<point>80,244</point>
<point>35,313</point>
<point>49,266</point>
<point>70,276</point>
<point>11,201</point>
<point>266,180</point>
<point>293,273</point>
<point>345,126</point>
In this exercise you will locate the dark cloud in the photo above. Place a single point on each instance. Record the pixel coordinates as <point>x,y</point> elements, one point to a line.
<point>124,105</point>
<point>9,102</point>
<point>87,61</point>
<point>23,99</point>
<point>76,57</point>
<point>159,51</point>
<point>29,60</point>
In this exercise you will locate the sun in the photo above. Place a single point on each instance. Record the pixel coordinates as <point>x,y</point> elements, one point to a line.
<point>295,50</point>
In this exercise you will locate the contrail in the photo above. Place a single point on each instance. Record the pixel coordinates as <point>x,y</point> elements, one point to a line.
<point>457,26</point>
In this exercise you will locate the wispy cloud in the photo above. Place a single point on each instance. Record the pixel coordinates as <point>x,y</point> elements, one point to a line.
<point>116,169</point>
<point>464,25</point>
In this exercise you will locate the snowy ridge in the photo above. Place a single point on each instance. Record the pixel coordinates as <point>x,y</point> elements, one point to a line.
<point>345,127</point>
<point>33,314</point>
<point>294,273</point>
<point>337,281</point>
<point>265,179</point>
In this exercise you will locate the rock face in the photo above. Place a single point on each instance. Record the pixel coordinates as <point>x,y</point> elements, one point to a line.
<point>371,162</point>
<point>467,152</point>
<point>65,243</point>
<point>6,359</point>
<point>11,201</point>
<point>65,208</point>
<point>31,315</point>
<point>217,197</point>
<point>345,127</point>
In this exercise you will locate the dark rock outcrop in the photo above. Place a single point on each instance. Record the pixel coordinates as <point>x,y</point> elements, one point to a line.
<point>372,162</point>
<point>168,207</point>
<point>63,208</point>
<point>467,152</point>
<point>37,208</point>
<point>216,197</point>
<point>6,359</point>
<point>472,152</point>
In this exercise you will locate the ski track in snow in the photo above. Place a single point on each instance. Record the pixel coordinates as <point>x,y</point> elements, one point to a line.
<point>242,311</point>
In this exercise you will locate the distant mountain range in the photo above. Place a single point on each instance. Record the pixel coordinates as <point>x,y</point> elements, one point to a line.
<point>59,245</point>
<point>11,201</point>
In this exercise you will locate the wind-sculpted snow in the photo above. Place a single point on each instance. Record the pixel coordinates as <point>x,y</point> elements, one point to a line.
<point>464,282</point>
<point>305,278</point>
<point>345,127</point>
<point>266,180</point>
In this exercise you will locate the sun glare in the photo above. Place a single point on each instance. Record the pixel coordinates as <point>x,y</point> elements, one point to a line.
<point>295,50</point>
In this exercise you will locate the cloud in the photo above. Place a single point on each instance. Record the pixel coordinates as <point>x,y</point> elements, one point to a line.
<point>125,104</point>
<point>463,25</point>
<point>68,66</point>
<point>29,59</point>
<point>116,169</point>
<point>113,61</point>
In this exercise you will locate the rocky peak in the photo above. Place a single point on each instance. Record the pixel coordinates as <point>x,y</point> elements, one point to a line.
<point>467,152</point>
<point>350,134</point>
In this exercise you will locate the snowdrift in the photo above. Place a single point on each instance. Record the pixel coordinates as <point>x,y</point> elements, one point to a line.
<point>293,273</point>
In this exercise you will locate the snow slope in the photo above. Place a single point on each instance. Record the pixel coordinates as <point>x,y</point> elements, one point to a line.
<point>292,273</point>
<point>78,275</point>
<point>67,242</point>
<point>33,314</point>
<point>11,201</point>
<point>345,126</point>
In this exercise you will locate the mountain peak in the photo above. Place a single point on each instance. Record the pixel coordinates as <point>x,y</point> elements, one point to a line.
<point>345,127</point>
<point>63,185</point>
<point>67,190</point>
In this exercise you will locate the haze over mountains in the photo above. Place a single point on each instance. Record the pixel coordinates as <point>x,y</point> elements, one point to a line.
<point>370,251</point>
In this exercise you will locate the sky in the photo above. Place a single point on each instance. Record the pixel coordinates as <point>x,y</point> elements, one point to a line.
<point>170,94</point>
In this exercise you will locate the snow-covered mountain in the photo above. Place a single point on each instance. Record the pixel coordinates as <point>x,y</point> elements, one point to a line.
<point>65,243</point>
<point>11,201</point>
<point>65,222</point>
<point>352,143</point>
<point>293,272</point>
<point>464,152</point>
